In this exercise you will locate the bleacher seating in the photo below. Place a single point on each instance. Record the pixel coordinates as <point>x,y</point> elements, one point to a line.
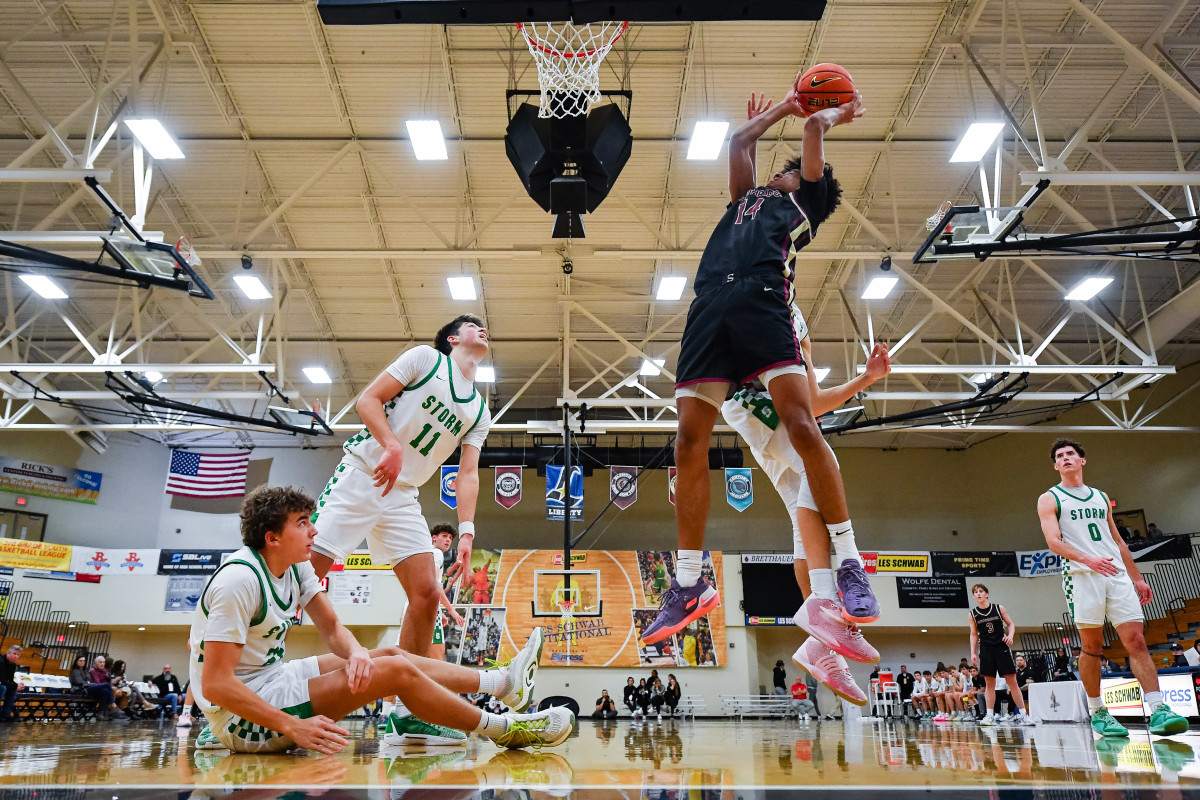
<point>690,705</point>
<point>756,705</point>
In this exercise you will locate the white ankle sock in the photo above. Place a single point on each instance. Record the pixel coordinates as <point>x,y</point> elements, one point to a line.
<point>1095,704</point>
<point>492,681</point>
<point>844,546</point>
<point>823,587</point>
<point>687,567</point>
<point>1152,698</point>
<point>492,725</point>
<point>399,709</point>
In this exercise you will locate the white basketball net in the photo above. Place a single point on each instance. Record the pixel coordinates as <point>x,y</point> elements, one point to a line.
<point>568,61</point>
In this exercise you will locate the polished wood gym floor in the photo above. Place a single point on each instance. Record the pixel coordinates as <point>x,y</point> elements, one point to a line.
<point>706,758</point>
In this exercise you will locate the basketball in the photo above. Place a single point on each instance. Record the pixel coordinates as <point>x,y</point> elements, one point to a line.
<point>824,86</point>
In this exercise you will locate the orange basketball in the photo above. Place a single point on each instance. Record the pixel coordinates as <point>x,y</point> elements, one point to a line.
<point>824,86</point>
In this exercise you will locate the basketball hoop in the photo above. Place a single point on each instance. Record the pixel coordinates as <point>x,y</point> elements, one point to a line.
<point>568,62</point>
<point>187,252</point>
<point>932,221</point>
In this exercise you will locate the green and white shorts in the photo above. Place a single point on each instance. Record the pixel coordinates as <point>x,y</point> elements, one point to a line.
<point>438,637</point>
<point>285,688</point>
<point>1093,596</point>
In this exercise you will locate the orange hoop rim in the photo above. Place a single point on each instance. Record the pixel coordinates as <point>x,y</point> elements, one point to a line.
<point>550,51</point>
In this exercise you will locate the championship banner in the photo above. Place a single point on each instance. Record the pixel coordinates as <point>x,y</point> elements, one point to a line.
<point>44,480</point>
<point>672,473</point>
<point>556,493</point>
<point>189,562</point>
<point>449,481</point>
<point>1036,563</point>
<point>35,555</point>
<point>508,486</point>
<point>984,564</point>
<point>931,592</point>
<point>897,562</point>
<point>622,486</point>
<point>739,487</point>
<point>114,561</point>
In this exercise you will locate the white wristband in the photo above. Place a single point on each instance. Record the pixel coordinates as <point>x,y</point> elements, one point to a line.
<point>466,528</point>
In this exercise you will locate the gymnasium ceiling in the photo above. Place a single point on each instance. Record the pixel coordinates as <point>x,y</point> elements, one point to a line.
<point>296,153</point>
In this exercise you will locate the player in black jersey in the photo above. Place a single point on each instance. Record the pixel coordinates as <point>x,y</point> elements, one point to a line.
<point>992,632</point>
<point>740,327</point>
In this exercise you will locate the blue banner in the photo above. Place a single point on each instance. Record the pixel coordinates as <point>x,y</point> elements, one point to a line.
<point>556,493</point>
<point>449,480</point>
<point>739,487</point>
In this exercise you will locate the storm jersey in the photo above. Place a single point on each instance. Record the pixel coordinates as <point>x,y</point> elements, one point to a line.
<point>989,624</point>
<point>437,409</point>
<point>1083,524</point>
<point>761,232</point>
<point>243,603</point>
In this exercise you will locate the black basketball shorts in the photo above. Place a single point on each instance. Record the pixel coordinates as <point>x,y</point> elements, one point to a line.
<point>996,660</point>
<point>738,331</point>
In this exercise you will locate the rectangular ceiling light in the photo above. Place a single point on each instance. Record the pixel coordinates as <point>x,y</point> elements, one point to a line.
<point>485,374</point>
<point>252,287</point>
<point>670,287</point>
<point>652,368</point>
<point>879,287</point>
<point>427,141</point>
<point>154,138</point>
<point>44,286</point>
<point>707,138</point>
<point>317,375</point>
<point>976,141</point>
<point>821,372</point>
<point>462,287</point>
<point>1088,288</point>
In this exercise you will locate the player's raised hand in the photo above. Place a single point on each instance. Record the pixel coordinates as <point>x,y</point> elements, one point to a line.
<point>843,114</point>
<point>1104,566</point>
<point>358,669</point>
<point>757,104</point>
<point>388,468</point>
<point>879,364</point>
<point>1144,592</point>
<point>319,733</point>
<point>462,561</point>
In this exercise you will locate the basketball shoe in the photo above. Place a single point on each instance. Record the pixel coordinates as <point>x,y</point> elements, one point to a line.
<point>858,601</point>
<point>679,606</point>
<point>1165,722</point>
<point>830,669</point>
<point>539,729</point>
<point>412,767</point>
<point>207,740</point>
<point>521,668</point>
<point>823,620</point>
<point>1104,724</point>
<point>410,730</point>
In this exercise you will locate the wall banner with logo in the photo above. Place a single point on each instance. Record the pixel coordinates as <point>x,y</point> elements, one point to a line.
<point>739,487</point>
<point>897,562</point>
<point>359,560</point>
<point>449,486</point>
<point>983,564</point>
<point>672,474</point>
<point>1123,696</point>
<point>35,555</point>
<point>189,562</point>
<point>622,486</point>
<point>183,592</point>
<point>931,592</point>
<point>1036,563</point>
<point>556,493</point>
<point>508,486</point>
<point>114,561</point>
<point>43,480</point>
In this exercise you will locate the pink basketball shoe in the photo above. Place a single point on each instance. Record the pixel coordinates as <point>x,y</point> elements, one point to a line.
<point>830,669</point>
<point>822,620</point>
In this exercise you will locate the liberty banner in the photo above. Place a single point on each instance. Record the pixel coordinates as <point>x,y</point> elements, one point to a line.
<point>556,494</point>
<point>622,486</point>
<point>44,480</point>
<point>449,486</point>
<point>508,486</point>
<point>739,487</point>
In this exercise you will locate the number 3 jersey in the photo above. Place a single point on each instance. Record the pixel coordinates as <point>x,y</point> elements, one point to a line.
<point>243,603</point>
<point>1083,522</point>
<point>437,409</point>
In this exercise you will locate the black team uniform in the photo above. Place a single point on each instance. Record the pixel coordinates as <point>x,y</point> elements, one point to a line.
<point>994,656</point>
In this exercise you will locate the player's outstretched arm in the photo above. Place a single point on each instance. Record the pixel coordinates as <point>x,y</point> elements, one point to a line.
<point>826,400</point>
<point>1048,514</point>
<point>370,411</point>
<point>815,128</point>
<point>1145,594</point>
<point>466,489</point>
<point>742,173</point>
<point>341,641</point>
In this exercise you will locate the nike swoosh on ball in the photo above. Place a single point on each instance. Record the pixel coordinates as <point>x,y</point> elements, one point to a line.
<point>814,82</point>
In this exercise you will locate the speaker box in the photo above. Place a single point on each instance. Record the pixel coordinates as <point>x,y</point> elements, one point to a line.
<point>609,145</point>
<point>527,143</point>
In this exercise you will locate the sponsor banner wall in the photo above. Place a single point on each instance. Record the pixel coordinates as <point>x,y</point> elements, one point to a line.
<point>898,562</point>
<point>52,575</point>
<point>1037,563</point>
<point>984,564</point>
<point>183,592</point>
<point>767,558</point>
<point>43,480</point>
<point>190,562</point>
<point>931,592</point>
<point>114,561</point>
<point>1161,549</point>
<point>358,560</point>
<point>1123,696</point>
<point>35,555</point>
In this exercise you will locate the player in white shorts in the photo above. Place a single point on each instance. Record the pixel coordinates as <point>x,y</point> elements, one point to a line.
<point>257,702</point>
<point>1100,579</point>
<point>752,414</point>
<point>416,412</point>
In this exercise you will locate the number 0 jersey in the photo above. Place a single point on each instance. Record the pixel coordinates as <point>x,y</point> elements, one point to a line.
<point>437,409</point>
<point>1083,524</point>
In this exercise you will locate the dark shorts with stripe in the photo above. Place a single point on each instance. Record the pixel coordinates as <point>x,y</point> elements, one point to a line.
<point>996,660</point>
<point>738,330</point>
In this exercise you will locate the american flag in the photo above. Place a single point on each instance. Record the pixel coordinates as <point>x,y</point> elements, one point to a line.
<point>207,475</point>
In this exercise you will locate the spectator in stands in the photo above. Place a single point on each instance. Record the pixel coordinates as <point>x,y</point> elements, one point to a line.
<point>1192,654</point>
<point>672,694</point>
<point>136,704</point>
<point>1126,534</point>
<point>1179,659</point>
<point>605,707</point>
<point>9,685</point>
<point>169,692</point>
<point>102,693</point>
<point>1152,532</point>
<point>1106,666</point>
<point>658,697</point>
<point>779,676</point>
<point>642,698</point>
<point>905,681</point>
<point>630,696</point>
<point>1076,652</point>
<point>874,673</point>
<point>1061,671</point>
<point>1024,677</point>
<point>800,703</point>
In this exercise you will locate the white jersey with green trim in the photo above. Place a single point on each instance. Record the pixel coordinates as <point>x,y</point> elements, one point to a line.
<point>243,603</point>
<point>1083,524</point>
<point>437,409</point>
